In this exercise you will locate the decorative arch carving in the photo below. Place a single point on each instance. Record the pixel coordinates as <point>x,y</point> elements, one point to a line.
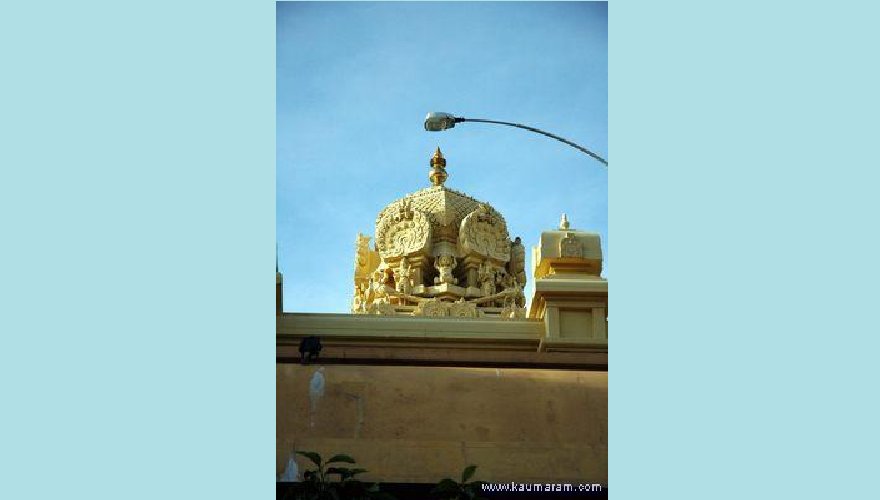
<point>402,232</point>
<point>381,309</point>
<point>432,307</point>
<point>484,232</point>
<point>463,310</point>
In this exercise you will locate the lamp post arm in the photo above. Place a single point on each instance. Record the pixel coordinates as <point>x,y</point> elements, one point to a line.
<point>533,129</point>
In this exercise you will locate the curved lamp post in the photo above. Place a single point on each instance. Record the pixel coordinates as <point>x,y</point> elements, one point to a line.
<point>436,122</point>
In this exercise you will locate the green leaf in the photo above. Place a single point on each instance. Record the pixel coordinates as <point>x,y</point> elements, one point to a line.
<point>341,458</point>
<point>468,473</point>
<point>446,486</point>
<point>311,455</point>
<point>344,472</point>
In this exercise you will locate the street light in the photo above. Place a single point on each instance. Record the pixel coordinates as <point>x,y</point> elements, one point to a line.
<point>437,122</point>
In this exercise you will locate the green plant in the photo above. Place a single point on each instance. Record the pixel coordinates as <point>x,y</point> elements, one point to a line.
<point>318,484</point>
<point>449,489</point>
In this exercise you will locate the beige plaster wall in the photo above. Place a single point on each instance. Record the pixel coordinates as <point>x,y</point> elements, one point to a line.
<point>420,424</point>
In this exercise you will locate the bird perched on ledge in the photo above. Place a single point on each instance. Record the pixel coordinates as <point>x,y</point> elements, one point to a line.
<point>309,348</point>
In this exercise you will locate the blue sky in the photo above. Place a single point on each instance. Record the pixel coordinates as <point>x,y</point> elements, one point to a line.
<point>354,82</point>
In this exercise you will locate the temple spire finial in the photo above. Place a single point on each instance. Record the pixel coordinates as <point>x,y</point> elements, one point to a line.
<point>437,175</point>
<point>563,223</point>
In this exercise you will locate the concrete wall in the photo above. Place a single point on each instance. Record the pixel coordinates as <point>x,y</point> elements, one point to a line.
<point>420,424</point>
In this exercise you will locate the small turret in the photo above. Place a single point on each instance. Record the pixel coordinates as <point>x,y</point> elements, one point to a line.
<point>563,224</point>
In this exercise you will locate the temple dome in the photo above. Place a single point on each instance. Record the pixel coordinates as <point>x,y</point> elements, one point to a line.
<point>442,206</point>
<point>435,247</point>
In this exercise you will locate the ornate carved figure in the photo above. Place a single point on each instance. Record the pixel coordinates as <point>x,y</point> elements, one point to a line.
<point>388,277</point>
<point>377,291</point>
<point>517,264</point>
<point>404,279</point>
<point>362,249</point>
<point>432,307</point>
<point>502,283</point>
<point>514,293</point>
<point>381,307</point>
<point>520,297</point>
<point>445,264</point>
<point>462,309</point>
<point>570,247</point>
<point>512,312</point>
<point>487,279</point>
<point>369,294</point>
<point>363,297</point>
<point>513,303</point>
<point>501,280</point>
<point>365,261</point>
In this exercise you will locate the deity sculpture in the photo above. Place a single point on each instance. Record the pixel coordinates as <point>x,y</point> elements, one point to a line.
<point>517,264</point>
<point>369,294</point>
<point>514,292</point>
<point>388,277</point>
<point>513,300</point>
<point>487,279</point>
<point>380,292</point>
<point>570,247</point>
<point>404,280</point>
<point>362,250</point>
<point>445,264</point>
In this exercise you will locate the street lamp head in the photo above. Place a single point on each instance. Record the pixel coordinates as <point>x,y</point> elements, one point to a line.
<point>435,122</point>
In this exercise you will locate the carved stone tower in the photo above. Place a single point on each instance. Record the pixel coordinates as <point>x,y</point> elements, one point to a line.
<point>439,252</point>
